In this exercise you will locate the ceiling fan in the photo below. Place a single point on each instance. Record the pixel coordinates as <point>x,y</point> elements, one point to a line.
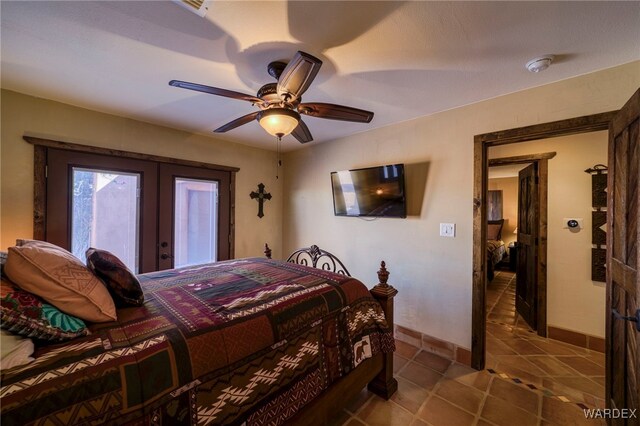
<point>281,103</point>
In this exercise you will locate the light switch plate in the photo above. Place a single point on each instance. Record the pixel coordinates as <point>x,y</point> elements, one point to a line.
<point>448,230</point>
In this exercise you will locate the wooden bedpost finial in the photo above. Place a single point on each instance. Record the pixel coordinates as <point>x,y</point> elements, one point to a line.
<point>267,251</point>
<point>382,288</point>
<point>383,275</point>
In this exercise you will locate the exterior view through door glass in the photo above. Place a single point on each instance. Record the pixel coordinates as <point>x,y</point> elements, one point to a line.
<point>195,221</point>
<point>194,216</point>
<point>105,213</point>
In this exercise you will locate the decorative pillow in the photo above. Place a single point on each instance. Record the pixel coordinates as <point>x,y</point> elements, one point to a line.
<point>121,282</point>
<point>26,314</point>
<point>14,350</point>
<point>61,279</point>
<point>494,229</point>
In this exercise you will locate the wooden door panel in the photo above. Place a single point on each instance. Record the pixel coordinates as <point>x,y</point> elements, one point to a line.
<point>526,274</point>
<point>623,280</point>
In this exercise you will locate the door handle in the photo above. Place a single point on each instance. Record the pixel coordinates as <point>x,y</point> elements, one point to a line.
<point>165,256</point>
<point>635,318</point>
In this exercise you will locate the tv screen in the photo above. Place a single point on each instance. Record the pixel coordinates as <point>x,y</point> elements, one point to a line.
<point>374,191</point>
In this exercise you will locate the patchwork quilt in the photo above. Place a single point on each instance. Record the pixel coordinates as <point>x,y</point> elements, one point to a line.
<point>246,341</point>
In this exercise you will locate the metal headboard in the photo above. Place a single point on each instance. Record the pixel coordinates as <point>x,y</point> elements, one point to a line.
<point>315,257</point>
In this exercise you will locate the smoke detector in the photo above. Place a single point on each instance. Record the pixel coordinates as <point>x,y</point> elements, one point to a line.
<point>540,63</point>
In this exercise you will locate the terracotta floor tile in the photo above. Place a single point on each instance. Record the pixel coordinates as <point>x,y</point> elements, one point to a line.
<point>461,395</point>
<point>433,361</point>
<point>501,412</point>
<point>409,396</point>
<point>341,418</point>
<point>418,422</point>
<point>564,413</point>
<point>354,422</point>
<point>405,350</point>
<point>497,347</point>
<point>523,347</point>
<point>499,331</point>
<point>359,401</point>
<point>583,384</point>
<point>420,375</point>
<point>515,394</point>
<point>467,375</point>
<point>517,373</point>
<point>379,412</point>
<point>597,358</point>
<point>506,319</point>
<point>553,348</point>
<point>582,365</point>
<point>521,363</point>
<point>438,412</point>
<point>551,365</point>
<point>398,362</point>
<point>573,394</point>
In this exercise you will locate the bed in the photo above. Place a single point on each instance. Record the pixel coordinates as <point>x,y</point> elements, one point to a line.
<point>247,341</point>
<point>496,250</point>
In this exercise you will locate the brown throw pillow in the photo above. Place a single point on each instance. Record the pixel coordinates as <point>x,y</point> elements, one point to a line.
<point>61,279</point>
<point>121,282</point>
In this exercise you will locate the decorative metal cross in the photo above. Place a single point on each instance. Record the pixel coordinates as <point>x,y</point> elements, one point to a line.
<point>261,196</point>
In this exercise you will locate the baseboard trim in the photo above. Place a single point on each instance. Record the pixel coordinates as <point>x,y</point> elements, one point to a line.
<point>576,338</point>
<point>432,344</point>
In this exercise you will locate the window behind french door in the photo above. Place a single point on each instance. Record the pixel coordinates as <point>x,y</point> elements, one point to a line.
<point>193,228</point>
<point>151,215</point>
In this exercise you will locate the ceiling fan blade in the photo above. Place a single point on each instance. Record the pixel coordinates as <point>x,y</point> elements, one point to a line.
<point>237,122</point>
<point>335,112</point>
<point>298,75</point>
<point>302,133</point>
<point>215,91</point>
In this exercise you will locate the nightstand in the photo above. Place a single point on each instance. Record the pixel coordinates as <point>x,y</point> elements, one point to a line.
<point>513,256</point>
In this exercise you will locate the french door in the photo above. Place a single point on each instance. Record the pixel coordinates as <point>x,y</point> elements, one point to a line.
<point>193,229</point>
<point>151,215</point>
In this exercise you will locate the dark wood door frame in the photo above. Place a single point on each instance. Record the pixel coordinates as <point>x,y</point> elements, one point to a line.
<point>481,143</point>
<point>40,178</point>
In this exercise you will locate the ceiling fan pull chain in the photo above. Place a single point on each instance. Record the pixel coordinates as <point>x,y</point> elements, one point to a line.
<point>278,160</point>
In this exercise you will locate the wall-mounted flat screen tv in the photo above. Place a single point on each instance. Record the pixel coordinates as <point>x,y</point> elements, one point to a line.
<point>374,191</point>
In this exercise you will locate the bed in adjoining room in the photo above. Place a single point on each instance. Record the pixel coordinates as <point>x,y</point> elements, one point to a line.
<point>496,249</point>
<point>246,341</point>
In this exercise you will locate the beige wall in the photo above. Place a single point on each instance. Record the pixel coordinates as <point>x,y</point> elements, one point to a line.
<point>23,114</point>
<point>432,273</point>
<point>574,302</point>
<point>509,188</point>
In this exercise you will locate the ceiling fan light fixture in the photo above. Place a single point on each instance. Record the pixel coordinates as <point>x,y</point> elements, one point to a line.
<point>278,121</point>
<point>540,63</point>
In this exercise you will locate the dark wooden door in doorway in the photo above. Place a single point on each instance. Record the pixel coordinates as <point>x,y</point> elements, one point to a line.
<point>527,265</point>
<point>623,257</point>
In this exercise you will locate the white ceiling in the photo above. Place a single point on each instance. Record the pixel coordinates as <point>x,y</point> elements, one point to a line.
<point>401,60</point>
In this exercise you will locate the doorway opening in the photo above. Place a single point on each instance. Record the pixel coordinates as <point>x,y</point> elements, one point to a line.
<point>482,143</point>
<point>517,239</point>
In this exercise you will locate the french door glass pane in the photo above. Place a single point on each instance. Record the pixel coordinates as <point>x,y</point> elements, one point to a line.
<point>195,221</point>
<point>105,214</point>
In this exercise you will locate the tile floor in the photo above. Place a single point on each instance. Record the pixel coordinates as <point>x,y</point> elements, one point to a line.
<point>527,381</point>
